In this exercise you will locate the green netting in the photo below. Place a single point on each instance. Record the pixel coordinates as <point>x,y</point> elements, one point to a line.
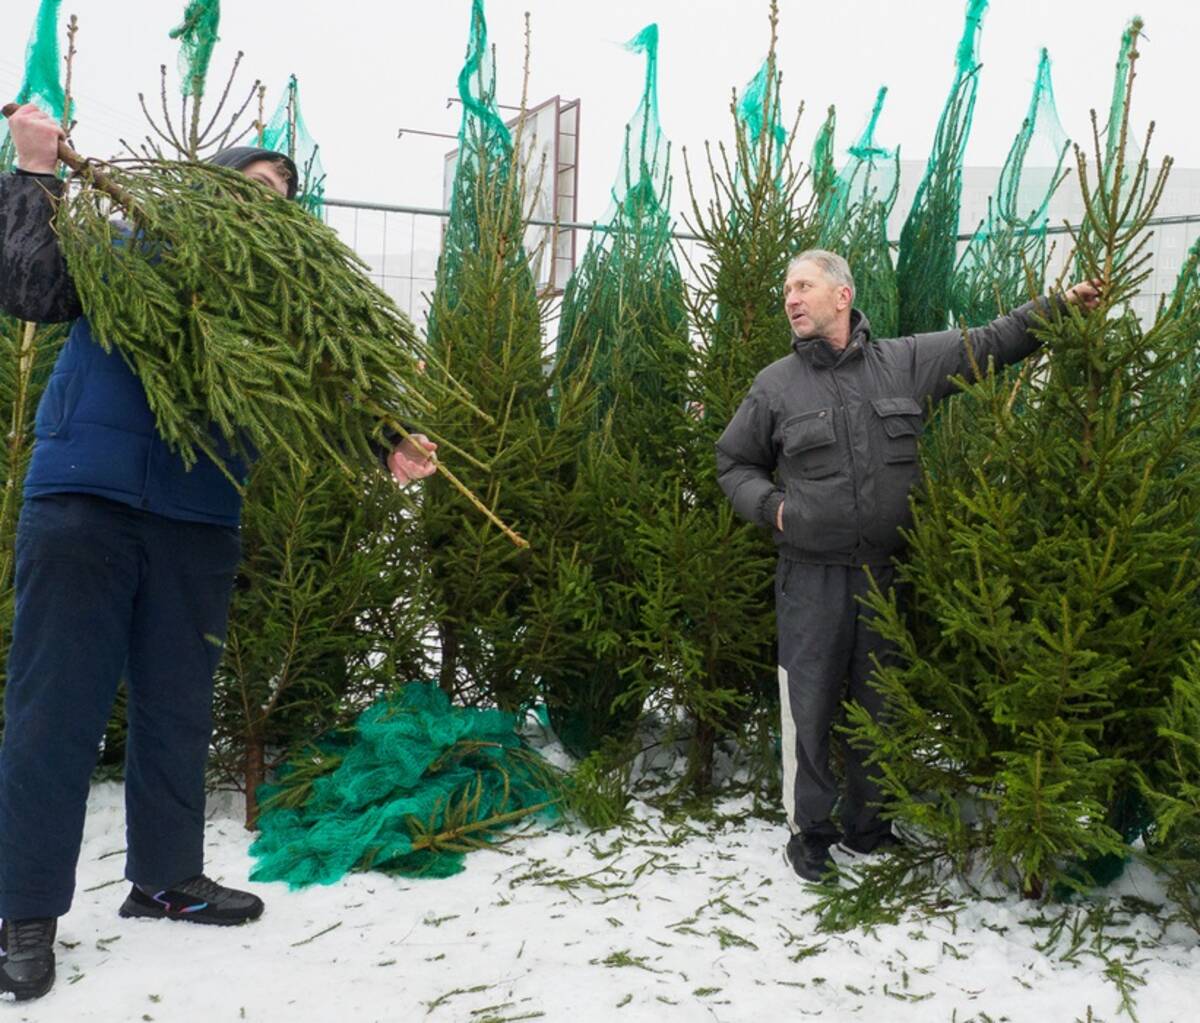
<point>758,110</point>
<point>824,168</point>
<point>925,266</point>
<point>1004,264</point>
<point>1112,127</point>
<point>41,83</point>
<point>1189,275</point>
<point>287,133</point>
<point>483,141</point>
<point>409,790</point>
<point>197,35</point>
<point>651,152</point>
<point>853,214</point>
<point>623,312</point>
<point>477,88</point>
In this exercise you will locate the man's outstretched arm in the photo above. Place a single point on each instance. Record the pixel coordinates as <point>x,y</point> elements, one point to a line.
<point>939,357</point>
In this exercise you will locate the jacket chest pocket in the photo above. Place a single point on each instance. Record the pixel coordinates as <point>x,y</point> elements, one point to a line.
<point>901,420</point>
<point>810,443</point>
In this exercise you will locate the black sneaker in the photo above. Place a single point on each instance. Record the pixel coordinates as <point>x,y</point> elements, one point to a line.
<point>27,970</point>
<point>809,856</point>
<point>198,900</point>
<point>863,845</point>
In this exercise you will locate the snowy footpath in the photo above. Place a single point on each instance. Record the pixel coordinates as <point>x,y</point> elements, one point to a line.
<point>660,921</point>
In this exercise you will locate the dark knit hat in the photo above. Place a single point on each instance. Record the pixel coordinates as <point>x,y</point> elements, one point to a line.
<point>240,157</point>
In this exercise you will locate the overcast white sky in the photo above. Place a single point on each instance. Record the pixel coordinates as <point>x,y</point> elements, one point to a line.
<point>369,67</point>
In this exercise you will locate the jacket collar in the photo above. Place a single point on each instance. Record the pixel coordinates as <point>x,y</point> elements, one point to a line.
<point>823,355</point>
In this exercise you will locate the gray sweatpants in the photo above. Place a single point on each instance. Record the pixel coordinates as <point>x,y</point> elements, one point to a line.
<point>826,645</point>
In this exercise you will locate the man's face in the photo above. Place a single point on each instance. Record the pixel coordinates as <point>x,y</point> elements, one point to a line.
<point>267,172</point>
<point>812,301</point>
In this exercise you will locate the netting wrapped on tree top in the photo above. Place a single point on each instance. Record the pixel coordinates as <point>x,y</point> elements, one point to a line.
<point>287,133</point>
<point>824,167</point>
<point>853,216</point>
<point>757,112</point>
<point>42,82</point>
<point>623,315</point>
<point>197,35</point>
<point>1004,264</point>
<point>409,790</point>
<point>754,222</point>
<point>928,250</point>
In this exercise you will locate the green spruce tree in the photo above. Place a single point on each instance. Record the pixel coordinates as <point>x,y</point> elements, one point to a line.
<point>485,328</point>
<point>1173,842</point>
<point>705,648</point>
<point>326,615</point>
<point>1053,584</point>
<point>623,342</point>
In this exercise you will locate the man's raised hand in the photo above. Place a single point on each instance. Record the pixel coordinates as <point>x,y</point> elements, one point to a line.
<point>35,136</point>
<point>1085,293</point>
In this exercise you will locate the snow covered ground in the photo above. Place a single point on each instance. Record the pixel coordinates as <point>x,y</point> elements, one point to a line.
<point>662,921</point>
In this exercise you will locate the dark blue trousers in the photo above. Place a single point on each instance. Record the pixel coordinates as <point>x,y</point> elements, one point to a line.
<point>102,587</point>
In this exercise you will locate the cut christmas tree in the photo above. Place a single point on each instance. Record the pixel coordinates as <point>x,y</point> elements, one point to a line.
<point>1045,703</point>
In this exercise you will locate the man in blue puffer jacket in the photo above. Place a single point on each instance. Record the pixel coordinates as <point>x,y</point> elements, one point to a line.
<point>125,561</point>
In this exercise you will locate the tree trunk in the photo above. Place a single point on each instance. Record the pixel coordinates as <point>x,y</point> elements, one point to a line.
<point>701,767</point>
<point>255,775</point>
<point>446,679</point>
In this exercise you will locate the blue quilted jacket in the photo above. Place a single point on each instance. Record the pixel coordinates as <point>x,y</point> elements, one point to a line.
<point>95,433</point>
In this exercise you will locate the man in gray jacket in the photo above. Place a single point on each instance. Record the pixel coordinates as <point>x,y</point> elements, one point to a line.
<point>823,451</point>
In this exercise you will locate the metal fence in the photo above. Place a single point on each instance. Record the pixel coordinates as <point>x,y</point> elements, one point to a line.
<point>400,245</point>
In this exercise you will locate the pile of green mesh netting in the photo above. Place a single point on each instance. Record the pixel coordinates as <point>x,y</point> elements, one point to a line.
<point>411,788</point>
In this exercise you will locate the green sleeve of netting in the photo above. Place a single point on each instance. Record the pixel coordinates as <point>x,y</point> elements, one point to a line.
<point>42,83</point>
<point>197,35</point>
<point>967,56</point>
<point>473,71</point>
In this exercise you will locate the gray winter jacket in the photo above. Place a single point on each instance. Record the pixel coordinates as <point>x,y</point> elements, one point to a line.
<point>834,434</point>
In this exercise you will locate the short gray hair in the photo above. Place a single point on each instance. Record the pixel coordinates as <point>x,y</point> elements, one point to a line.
<point>832,265</point>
